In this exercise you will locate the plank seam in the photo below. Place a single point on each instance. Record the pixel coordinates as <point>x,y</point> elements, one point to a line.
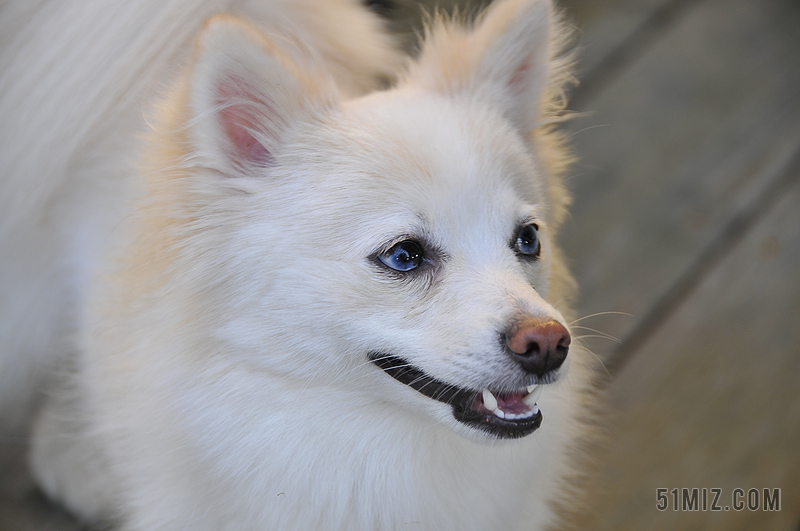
<point>594,81</point>
<point>719,248</point>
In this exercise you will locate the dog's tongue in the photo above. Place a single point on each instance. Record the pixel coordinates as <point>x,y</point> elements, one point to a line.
<point>510,406</point>
<point>511,403</point>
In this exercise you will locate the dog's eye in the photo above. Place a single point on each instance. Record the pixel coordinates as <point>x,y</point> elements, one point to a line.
<point>527,243</point>
<point>403,256</point>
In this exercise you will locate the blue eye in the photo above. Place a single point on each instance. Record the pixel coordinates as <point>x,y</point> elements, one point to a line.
<point>403,256</point>
<point>527,243</point>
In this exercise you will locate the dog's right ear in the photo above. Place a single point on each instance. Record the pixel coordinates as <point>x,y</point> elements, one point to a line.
<point>245,91</point>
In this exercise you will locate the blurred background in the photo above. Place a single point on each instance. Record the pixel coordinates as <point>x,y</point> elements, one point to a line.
<point>687,221</point>
<point>685,239</point>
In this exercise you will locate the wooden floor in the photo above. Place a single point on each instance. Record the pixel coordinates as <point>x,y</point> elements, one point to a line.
<point>685,238</point>
<point>687,220</point>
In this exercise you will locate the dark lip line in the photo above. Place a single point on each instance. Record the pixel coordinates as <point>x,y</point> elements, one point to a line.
<point>459,399</point>
<point>418,380</point>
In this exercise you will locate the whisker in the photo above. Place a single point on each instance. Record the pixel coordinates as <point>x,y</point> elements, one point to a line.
<point>598,314</point>
<point>598,358</point>
<point>587,129</point>
<point>421,378</point>
<point>603,334</point>
<point>596,336</point>
<point>443,390</point>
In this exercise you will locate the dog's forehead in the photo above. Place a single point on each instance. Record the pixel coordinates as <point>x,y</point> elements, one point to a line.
<point>449,157</point>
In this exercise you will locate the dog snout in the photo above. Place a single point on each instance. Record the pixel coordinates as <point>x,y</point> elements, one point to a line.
<point>538,346</point>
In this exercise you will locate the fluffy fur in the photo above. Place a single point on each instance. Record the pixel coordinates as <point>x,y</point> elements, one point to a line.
<point>77,79</point>
<point>224,288</point>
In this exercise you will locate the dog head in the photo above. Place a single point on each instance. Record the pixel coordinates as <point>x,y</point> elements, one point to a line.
<point>407,232</point>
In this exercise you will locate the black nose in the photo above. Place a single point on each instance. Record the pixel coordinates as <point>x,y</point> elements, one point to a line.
<point>538,346</point>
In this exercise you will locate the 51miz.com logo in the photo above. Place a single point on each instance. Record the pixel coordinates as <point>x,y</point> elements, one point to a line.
<point>705,499</point>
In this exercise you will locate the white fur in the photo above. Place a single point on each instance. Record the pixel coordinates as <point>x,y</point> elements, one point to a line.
<point>221,379</point>
<point>77,78</point>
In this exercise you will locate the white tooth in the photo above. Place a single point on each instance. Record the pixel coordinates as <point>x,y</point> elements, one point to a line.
<point>499,413</point>
<point>530,400</point>
<point>534,410</point>
<point>489,400</point>
<point>531,388</point>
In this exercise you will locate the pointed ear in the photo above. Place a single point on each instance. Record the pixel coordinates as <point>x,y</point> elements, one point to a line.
<point>245,91</point>
<point>504,60</point>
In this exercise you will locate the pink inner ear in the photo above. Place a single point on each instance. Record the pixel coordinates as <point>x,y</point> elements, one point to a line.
<point>520,76</point>
<point>243,112</point>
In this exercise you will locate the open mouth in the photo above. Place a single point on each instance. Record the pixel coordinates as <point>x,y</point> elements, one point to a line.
<point>505,415</point>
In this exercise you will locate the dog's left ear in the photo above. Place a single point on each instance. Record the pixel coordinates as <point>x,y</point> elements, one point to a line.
<point>503,61</point>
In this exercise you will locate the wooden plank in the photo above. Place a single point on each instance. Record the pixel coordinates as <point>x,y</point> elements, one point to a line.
<point>713,400</point>
<point>604,26</point>
<point>691,135</point>
<point>613,33</point>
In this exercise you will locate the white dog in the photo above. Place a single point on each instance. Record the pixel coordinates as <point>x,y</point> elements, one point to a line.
<point>293,306</point>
